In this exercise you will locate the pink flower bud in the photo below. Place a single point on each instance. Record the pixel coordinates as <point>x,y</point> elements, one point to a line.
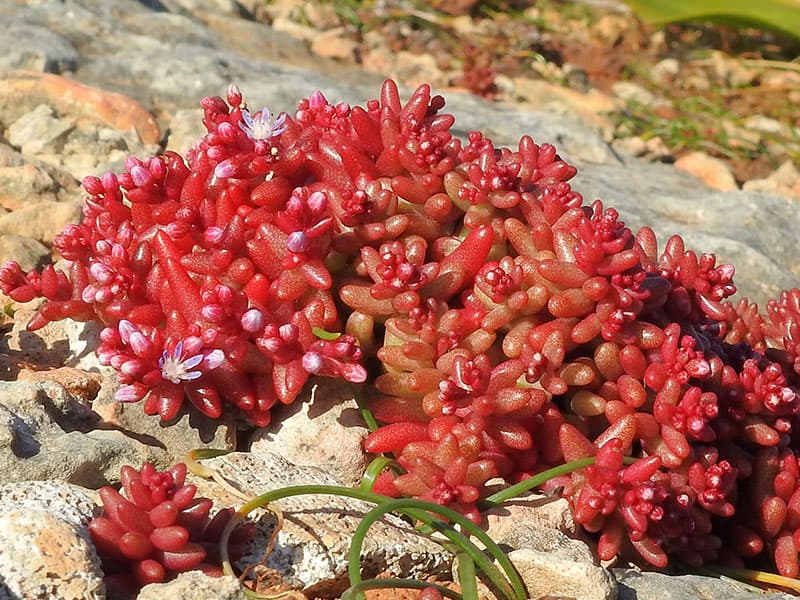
<point>225,169</point>
<point>140,175</point>
<point>213,312</point>
<point>312,362</point>
<point>317,202</point>
<point>214,235</point>
<point>140,345</point>
<point>109,181</point>
<point>157,169</point>
<point>297,242</point>
<point>317,100</point>
<point>101,273</point>
<point>227,132</point>
<point>213,359</point>
<point>252,320</point>
<point>234,95</point>
<point>126,328</point>
<point>93,185</point>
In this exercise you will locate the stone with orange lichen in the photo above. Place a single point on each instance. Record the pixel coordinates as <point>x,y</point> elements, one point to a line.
<point>83,385</point>
<point>23,89</point>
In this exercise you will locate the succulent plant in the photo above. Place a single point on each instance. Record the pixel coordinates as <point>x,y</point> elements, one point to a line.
<point>155,527</point>
<point>507,325</point>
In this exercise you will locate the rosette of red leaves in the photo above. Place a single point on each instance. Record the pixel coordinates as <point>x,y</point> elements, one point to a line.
<point>155,527</point>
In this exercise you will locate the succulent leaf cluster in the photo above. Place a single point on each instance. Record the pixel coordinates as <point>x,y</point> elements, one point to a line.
<point>507,325</point>
<point>155,527</point>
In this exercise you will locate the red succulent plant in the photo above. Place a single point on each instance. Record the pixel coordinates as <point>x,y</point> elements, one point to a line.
<point>156,527</point>
<point>514,325</point>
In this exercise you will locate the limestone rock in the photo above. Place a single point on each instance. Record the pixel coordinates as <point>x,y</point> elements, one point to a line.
<point>27,252</point>
<point>711,171</point>
<point>24,89</point>
<point>535,510</point>
<point>193,585</point>
<point>42,220</point>
<point>26,46</point>
<point>643,585</point>
<point>552,564</point>
<point>325,432</point>
<point>47,551</point>
<point>38,131</point>
<point>785,181</point>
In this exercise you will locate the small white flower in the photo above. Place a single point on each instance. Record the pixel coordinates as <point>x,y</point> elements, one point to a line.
<point>261,126</point>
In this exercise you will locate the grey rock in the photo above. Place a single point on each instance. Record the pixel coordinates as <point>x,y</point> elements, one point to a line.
<point>311,549</point>
<point>553,564</point>
<point>27,46</point>
<point>23,183</point>
<point>47,551</point>
<point>27,252</point>
<point>754,232</point>
<point>46,434</point>
<point>643,585</point>
<point>41,220</point>
<point>39,131</point>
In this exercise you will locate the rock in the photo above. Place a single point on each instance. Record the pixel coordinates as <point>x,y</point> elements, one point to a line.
<point>27,46</point>
<point>326,432</point>
<point>42,220</point>
<point>536,510</point>
<point>24,183</point>
<point>633,92</point>
<point>185,128</point>
<point>47,552</point>
<point>192,585</point>
<point>784,181</point>
<point>590,108</point>
<point>39,131</point>
<point>48,434</point>
<point>754,232</point>
<point>23,89</point>
<point>554,565</point>
<point>730,71</point>
<point>27,252</point>
<point>666,70</point>
<point>764,124</point>
<point>334,44</point>
<point>713,172</point>
<point>642,585</point>
<point>310,553</point>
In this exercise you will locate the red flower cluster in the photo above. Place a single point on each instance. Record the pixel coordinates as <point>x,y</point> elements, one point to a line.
<point>516,326</point>
<point>158,529</point>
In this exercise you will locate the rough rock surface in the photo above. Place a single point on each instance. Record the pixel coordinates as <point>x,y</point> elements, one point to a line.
<point>193,585</point>
<point>325,432</point>
<point>642,585</point>
<point>46,550</point>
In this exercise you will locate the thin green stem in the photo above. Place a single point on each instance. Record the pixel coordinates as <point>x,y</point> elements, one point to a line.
<point>374,584</point>
<point>366,413</point>
<point>412,507</point>
<point>539,479</point>
<point>374,469</point>
<point>467,578</point>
